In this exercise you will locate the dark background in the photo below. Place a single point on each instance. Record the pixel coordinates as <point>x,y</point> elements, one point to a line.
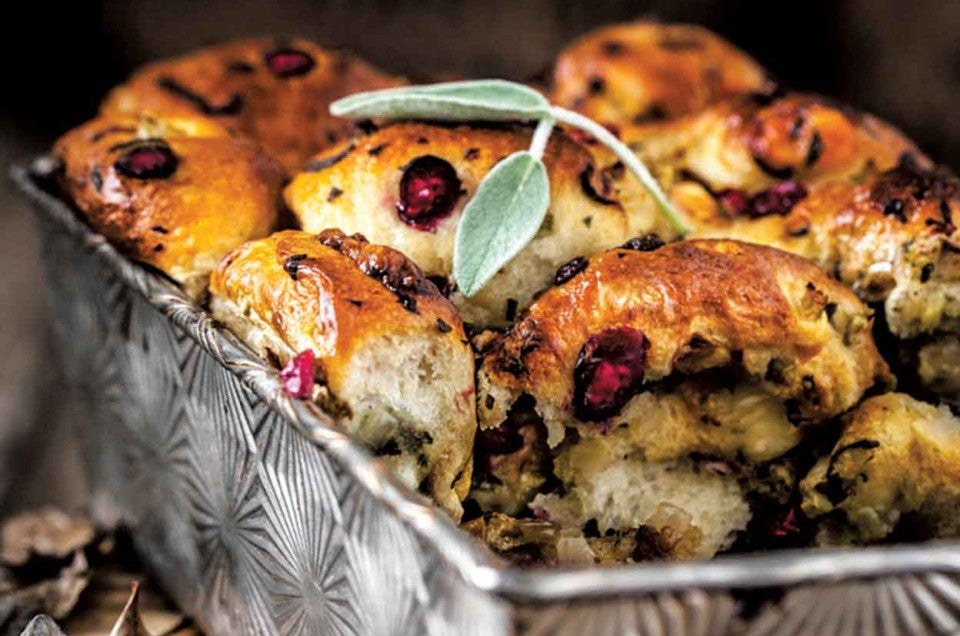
<point>900,60</point>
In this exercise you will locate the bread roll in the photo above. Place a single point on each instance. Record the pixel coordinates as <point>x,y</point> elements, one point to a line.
<point>646,71</point>
<point>276,91</point>
<point>894,471</point>
<point>175,193</point>
<point>392,362</point>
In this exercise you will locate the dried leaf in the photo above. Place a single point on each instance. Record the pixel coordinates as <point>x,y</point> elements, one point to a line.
<point>42,625</point>
<point>107,596</point>
<point>47,532</point>
<point>130,623</point>
<point>56,597</point>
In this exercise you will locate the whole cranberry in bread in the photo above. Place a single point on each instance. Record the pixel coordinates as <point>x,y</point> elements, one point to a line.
<point>276,91</point>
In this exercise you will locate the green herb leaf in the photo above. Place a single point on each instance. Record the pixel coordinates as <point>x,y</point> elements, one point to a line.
<point>489,100</point>
<point>501,218</point>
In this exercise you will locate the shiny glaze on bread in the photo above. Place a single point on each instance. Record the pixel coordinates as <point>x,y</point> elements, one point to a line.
<point>277,91</point>
<point>176,193</point>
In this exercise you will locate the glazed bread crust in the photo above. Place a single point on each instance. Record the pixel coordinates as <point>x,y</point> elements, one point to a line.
<point>892,238</point>
<point>701,305</point>
<point>357,188</point>
<point>178,194</point>
<point>393,360</point>
<point>277,91</point>
<point>751,143</point>
<point>645,71</point>
<point>897,458</point>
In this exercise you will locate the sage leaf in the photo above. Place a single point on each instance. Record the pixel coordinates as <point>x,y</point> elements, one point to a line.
<point>486,100</point>
<point>501,218</point>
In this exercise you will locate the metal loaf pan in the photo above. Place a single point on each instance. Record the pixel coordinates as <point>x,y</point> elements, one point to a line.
<point>258,516</point>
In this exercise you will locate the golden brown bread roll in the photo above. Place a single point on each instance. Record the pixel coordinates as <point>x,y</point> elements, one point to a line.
<point>392,360</point>
<point>751,143</point>
<point>758,153</point>
<point>176,193</point>
<point>645,71</point>
<point>895,469</point>
<point>276,91</point>
<point>406,186</point>
<point>803,174</point>
<point>892,238</point>
<point>643,361</point>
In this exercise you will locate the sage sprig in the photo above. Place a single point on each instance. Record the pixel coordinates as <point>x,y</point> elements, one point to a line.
<point>512,199</point>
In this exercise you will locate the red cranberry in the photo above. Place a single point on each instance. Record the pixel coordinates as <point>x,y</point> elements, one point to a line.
<point>150,159</point>
<point>779,199</point>
<point>733,202</point>
<point>498,441</point>
<point>581,137</point>
<point>609,371</point>
<point>287,62</point>
<point>429,190</point>
<point>297,375</point>
<point>786,525</point>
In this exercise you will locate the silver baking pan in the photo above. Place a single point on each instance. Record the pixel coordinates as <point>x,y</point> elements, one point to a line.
<point>258,516</point>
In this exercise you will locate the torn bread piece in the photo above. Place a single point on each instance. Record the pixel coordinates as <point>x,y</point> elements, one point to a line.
<point>392,362</point>
<point>893,474</point>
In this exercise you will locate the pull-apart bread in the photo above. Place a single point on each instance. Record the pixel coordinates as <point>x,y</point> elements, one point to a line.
<point>276,91</point>
<point>631,398</point>
<point>391,360</point>
<point>752,156</point>
<point>406,186</point>
<point>892,239</point>
<point>611,400</point>
<point>175,193</point>
<point>751,143</point>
